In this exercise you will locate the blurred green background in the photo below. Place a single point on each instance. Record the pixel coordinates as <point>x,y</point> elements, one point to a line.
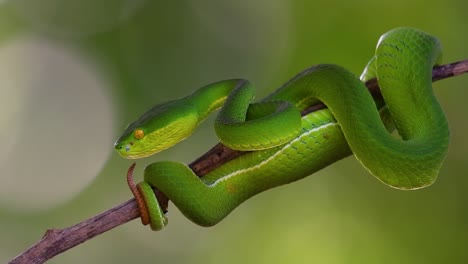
<point>73,74</point>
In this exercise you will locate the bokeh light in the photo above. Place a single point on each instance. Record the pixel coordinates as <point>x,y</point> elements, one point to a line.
<point>58,117</point>
<point>76,18</point>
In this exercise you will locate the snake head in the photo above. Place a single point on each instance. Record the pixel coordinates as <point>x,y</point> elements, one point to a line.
<point>160,128</point>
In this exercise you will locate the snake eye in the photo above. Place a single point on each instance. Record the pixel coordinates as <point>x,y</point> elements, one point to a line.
<point>139,134</point>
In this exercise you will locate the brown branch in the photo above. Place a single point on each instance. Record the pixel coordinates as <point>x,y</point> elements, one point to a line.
<point>56,241</point>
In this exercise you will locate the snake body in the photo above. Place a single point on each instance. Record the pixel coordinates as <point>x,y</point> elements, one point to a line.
<point>285,147</point>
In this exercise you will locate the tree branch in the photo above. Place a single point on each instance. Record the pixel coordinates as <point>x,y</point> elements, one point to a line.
<point>56,241</point>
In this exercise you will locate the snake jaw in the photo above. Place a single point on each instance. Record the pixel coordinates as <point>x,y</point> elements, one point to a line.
<point>122,148</point>
<point>125,148</point>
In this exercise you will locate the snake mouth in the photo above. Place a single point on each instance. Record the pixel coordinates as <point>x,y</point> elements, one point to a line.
<point>123,148</point>
<point>127,150</point>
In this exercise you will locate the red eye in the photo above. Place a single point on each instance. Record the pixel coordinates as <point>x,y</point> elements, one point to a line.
<point>139,134</point>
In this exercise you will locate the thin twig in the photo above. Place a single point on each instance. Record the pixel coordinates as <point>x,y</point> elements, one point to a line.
<point>56,241</point>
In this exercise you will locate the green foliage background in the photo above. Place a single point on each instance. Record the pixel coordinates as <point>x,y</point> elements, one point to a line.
<point>162,50</point>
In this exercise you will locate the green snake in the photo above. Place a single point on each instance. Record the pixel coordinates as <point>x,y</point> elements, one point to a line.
<point>284,147</point>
